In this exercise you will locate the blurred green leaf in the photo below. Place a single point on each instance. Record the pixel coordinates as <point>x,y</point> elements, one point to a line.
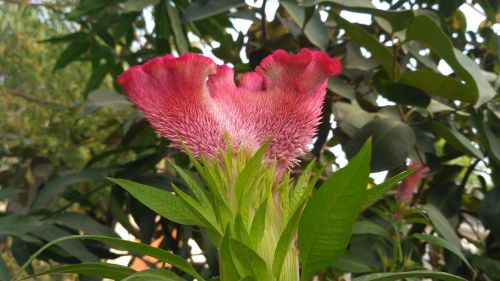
<point>4,271</point>
<point>403,94</point>
<point>71,53</point>
<point>9,194</point>
<point>438,241</point>
<point>350,118</point>
<point>365,39</point>
<point>315,30</point>
<point>97,269</point>
<point>442,225</point>
<point>401,275</point>
<point>456,139</point>
<point>102,98</point>
<point>348,263</point>
<point>424,30</point>
<point>437,85</point>
<point>203,9</point>
<point>153,275</point>
<point>490,209</point>
<point>392,141</point>
<point>18,224</point>
<point>73,248</point>
<point>137,5</point>
<point>58,185</point>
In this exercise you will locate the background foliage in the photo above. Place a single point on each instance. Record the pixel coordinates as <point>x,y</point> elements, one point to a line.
<point>66,125</point>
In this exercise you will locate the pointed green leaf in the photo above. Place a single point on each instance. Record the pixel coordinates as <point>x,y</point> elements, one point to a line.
<point>252,264</point>
<point>456,139</point>
<point>203,214</point>
<point>326,224</point>
<point>402,275</point>
<point>228,269</point>
<point>154,275</point>
<point>442,225</point>
<point>192,184</point>
<point>160,201</point>
<point>97,269</point>
<point>250,172</point>
<point>443,243</point>
<point>284,244</point>
<point>376,193</point>
<point>258,224</point>
<point>315,30</point>
<point>365,39</point>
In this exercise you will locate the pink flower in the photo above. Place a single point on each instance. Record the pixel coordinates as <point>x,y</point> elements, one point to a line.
<point>192,98</point>
<point>407,187</point>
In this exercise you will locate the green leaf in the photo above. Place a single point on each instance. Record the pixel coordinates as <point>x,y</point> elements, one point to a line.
<point>181,40</point>
<point>488,138</point>
<point>4,271</point>
<point>403,94</point>
<point>137,5</point>
<point>351,264</point>
<point>350,118</point>
<point>455,139</point>
<point>424,30</point>
<point>490,209</point>
<point>392,141</point>
<point>397,19</point>
<point>442,225</point>
<point>328,218</point>
<point>248,175</point>
<point>364,38</point>
<point>252,264</point>
<point>369,227</point>
<point>102,98</point>
<point>83,222</point>
<point>73,248</point>
<point>438,241</point>
<point>437,85</point>
<point>99,72</point>
<point>147,250</point>
<point>315,30</point>
<point>160,201</point>
<point>154,275</point>
<point>194,186</point>
<point>71,53</point>
<point>18,224</point>
<point>301,190</point>
<point>204,9</point>
<point>401,275</point>
<point>97,269</point>
<point>207,216</point>
<point>132,247</point>
<point>54,187</point>
<point>8,194</point>
<point>340,87</point>
<point>284,244</point>
<point>376,193</point>
<point>258,224</point>
<point>228,267</point>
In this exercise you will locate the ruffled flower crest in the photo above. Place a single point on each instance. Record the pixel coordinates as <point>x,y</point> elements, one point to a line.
<point>193,101</point>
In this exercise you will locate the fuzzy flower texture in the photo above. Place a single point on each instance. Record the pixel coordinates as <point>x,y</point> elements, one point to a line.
<point>192,100</point>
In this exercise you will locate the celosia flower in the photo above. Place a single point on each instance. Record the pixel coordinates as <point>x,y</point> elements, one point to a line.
<point>407,187</point>
<point>193,101</point>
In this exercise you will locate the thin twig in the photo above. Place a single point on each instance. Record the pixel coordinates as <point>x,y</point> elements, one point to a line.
<point>30,98</point>
<point>263,20</point>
